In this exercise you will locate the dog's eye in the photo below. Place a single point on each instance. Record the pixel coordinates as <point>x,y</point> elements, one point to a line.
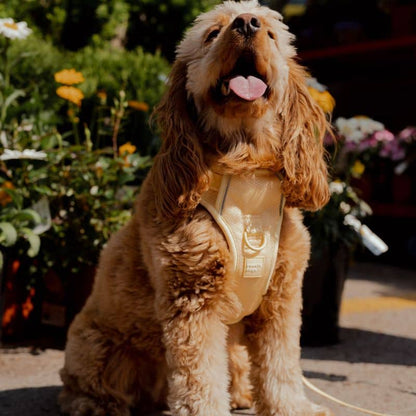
<point>212,35</point>
<point>271,35</point>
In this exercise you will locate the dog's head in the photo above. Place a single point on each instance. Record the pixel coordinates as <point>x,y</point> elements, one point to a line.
<point>237,62</point>
<point>236,90</point>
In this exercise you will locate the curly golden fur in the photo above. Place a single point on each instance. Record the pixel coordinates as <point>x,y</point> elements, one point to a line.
<point>152,332</point>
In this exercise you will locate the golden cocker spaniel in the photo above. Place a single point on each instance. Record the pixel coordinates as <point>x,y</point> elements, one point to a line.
<point>165,323</point>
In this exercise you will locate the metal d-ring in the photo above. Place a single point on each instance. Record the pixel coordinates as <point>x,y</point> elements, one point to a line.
<point>250,246</point>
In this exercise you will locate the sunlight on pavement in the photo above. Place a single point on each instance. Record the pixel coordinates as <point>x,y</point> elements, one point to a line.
<point>357,305</point>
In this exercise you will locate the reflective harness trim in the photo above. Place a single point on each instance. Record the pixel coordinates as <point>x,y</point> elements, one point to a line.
<point>249,211</point>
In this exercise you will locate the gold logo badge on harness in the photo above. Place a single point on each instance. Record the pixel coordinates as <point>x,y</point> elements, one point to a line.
<point>253,267</point>
<point>249,211</point>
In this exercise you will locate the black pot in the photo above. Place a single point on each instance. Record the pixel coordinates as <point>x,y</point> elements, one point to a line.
<point>322,292</point>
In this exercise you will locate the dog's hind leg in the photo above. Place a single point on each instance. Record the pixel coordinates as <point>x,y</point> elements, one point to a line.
<point>89,357</point>
<point>105,375</point>
<point>239,365</point>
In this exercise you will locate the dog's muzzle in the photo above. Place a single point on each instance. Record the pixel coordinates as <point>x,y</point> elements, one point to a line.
<point>246,24</point>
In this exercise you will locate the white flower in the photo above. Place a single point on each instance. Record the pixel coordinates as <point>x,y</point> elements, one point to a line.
<point>365,209</point>
<point>344,207</point>
<point>356,129</point>
<point>26,154</point>
<point>14,30</point>
<point>336,187</point>
<point>25,126</point>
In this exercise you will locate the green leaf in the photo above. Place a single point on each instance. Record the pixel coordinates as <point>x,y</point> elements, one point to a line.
<point>8,234</point>
<point>28,215</point>
<point>34,241</point>
<point>12,97</point>
<point>16,197</point>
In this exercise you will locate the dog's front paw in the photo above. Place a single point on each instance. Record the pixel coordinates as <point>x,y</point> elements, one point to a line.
<point>317,410</point>
<point>241,399</point>
<point>301,408</point>
<point>307,408</point>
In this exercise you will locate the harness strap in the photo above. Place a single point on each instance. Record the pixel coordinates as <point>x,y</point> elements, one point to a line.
<point>249,211</point>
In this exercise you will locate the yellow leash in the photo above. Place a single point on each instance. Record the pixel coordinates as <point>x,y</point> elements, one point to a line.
<point>329,397</point>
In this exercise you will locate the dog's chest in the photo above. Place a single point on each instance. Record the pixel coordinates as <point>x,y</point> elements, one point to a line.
<point>249,210</point>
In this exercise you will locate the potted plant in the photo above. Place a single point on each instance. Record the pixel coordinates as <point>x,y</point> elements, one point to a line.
<point>20,230</point>
<point>66,182</point>
<point>336,230</point>
<point>333,240</point>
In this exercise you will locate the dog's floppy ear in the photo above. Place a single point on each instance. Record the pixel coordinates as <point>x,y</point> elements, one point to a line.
<point>304,125</point>
<point>179,172</point>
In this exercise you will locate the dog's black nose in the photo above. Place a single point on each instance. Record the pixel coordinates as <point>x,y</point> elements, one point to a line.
<point>246,24</point>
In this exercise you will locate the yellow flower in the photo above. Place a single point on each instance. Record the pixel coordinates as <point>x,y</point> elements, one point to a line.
<point>69,77</point>
<point>127,148</point>
<point>5,198</point>
<point>72,94</point>
<point>357,169</point>
<point>102,95</point>
<point>324,99</point>
<point>72,116</point>
<point>138,105</point>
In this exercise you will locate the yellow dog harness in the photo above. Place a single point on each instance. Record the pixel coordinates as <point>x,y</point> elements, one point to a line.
<point>249,211</point>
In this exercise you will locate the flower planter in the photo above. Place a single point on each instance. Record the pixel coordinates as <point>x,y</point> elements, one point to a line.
<point>40,310</point>
<point>19,301</point>
<point>64,296</point>
<point>78,290</point>
<point>53,301</point>
<point>322,293</point>
<point>364,186</point>
<point>402,188</point>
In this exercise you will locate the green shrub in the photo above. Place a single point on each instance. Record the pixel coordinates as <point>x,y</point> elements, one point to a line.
<point>160,25</point>
<point>106,70</point>
<point>67,172</point>
<point>34,63</point>
<point>74,24</point>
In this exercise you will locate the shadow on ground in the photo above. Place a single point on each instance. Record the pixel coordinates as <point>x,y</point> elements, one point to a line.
<point>397,281</point>
<point>39,401</point>
<point>361,346</point>
<point>42,401</point>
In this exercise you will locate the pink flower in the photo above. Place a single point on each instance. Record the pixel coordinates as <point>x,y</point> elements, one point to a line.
<point>368,143</point>
<point>383,136</point>
<point>408,134</point>
<point>350,147</point>
<point>393,150</point>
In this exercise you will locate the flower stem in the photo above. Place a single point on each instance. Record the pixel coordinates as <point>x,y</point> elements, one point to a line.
<point>6,65</point>
<point>6,82</point>
<point>116,131</point>
<point>76,133</point>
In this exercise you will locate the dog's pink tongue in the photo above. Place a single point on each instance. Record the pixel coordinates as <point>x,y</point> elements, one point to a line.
<point>249,88</point>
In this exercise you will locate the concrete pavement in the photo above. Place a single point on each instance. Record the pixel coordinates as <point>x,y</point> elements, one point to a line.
<point>374,366</point>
